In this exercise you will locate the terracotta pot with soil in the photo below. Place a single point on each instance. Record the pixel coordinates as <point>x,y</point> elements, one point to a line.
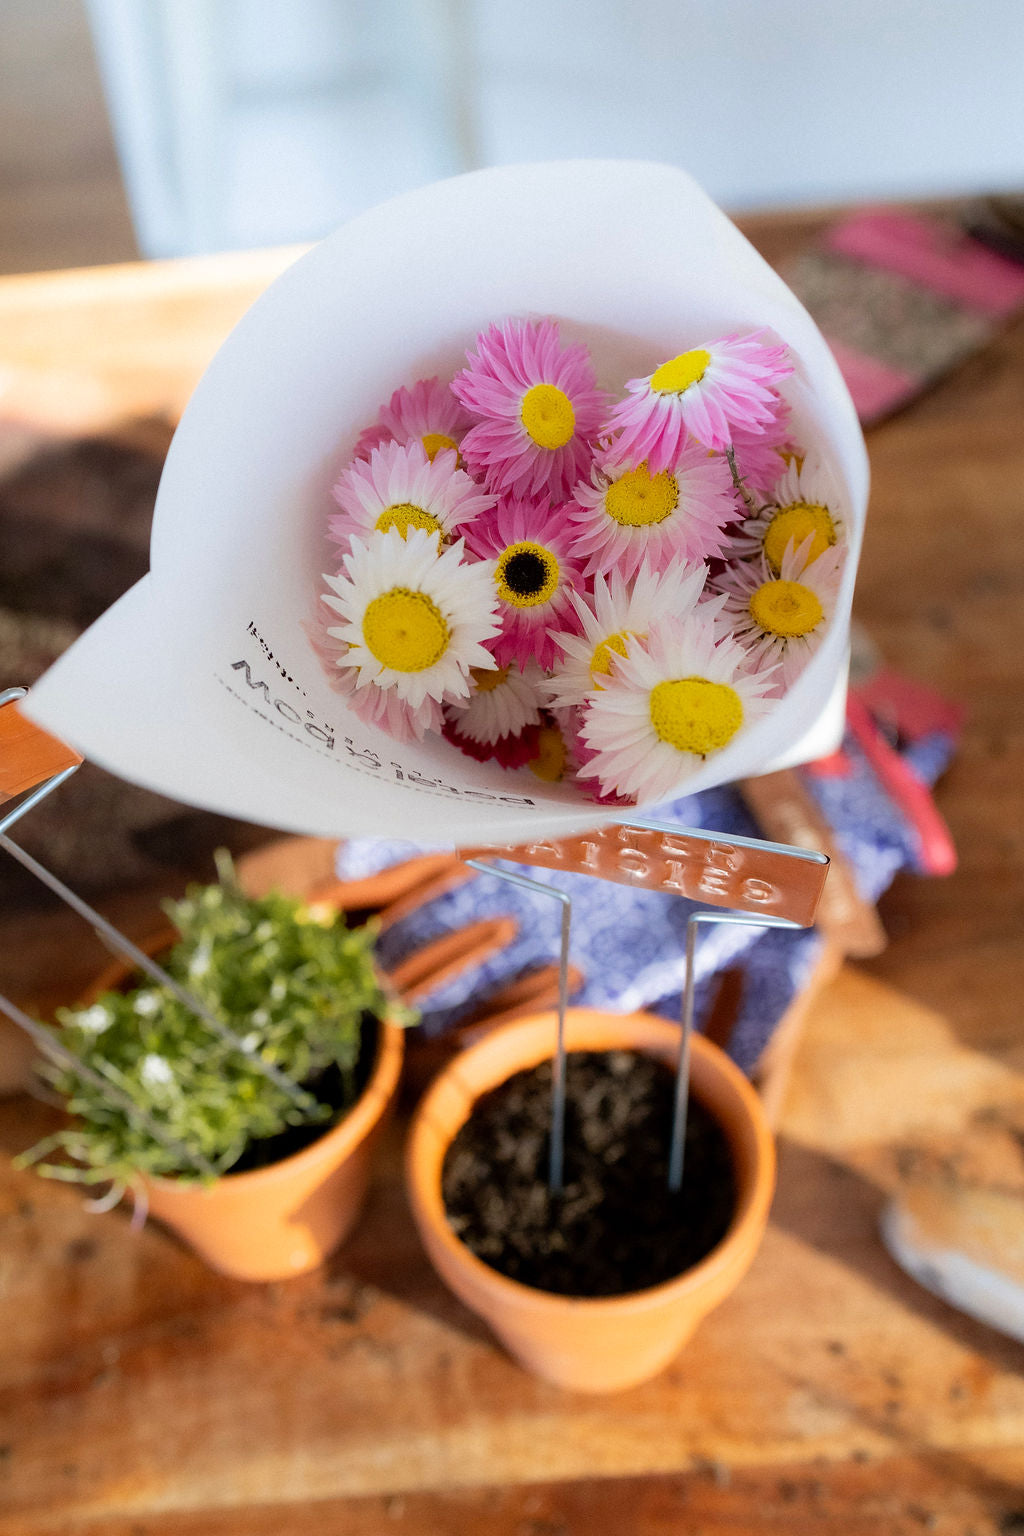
<point>599,1311</point>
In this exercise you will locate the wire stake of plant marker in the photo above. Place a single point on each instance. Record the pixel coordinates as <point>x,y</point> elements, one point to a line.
<point>677,1142</point>
<point>556,1159</point>
<point>115,939</point>
<point>47,1041</point>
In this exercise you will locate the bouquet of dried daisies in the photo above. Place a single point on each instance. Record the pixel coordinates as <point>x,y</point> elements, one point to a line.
<point>595,587</point>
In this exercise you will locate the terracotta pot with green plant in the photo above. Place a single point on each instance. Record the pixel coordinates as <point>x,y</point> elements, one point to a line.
<point>256,1149</point>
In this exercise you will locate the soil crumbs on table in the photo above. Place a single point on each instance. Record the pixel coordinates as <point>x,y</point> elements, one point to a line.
<point>615,1228</point>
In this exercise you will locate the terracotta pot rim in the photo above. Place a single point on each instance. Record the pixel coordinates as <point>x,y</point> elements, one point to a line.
<point>354,1125</point>
<point>751,1209</point>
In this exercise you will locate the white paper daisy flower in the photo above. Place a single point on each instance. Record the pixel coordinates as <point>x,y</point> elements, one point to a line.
<point>400,487</point>
<point>380,707</point>
<point>626,514</point>
<point>618,611</point>
<point>156,1071</point>
<point>94,1020</point>
<point>668,704</point>
<point>502,703</point>
<point>780,619</point>
<point>804,503</point>
<point>415,616</point>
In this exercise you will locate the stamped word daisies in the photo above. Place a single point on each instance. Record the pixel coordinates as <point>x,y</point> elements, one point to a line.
<point>602,587</point>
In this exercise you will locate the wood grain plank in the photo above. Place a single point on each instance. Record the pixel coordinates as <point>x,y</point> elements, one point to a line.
<point>904,1496</point>
<point>139,1393</point>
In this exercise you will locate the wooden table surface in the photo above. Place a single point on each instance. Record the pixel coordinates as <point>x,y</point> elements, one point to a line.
<point>144,1396</point>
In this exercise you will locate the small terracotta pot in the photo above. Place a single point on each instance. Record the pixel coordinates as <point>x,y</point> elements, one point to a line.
<point>607,1343</point>
<point>278,1221</point>
<point>274,1222</point>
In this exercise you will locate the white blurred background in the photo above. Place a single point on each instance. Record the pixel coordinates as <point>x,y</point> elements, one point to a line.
<point>248,122</point>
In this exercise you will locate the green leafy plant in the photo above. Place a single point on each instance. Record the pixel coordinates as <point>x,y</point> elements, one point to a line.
<point>291,979</point>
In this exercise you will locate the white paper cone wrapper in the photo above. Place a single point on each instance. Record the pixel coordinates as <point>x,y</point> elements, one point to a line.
<point>201,684</point>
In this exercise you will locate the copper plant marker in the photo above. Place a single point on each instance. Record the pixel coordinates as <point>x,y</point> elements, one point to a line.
<point>710,867</point>
<point>28,755</point>
<point>781,803</point>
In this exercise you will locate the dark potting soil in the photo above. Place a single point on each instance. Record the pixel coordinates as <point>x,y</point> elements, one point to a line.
<point>335,1088</point>
<point>615,1228</point>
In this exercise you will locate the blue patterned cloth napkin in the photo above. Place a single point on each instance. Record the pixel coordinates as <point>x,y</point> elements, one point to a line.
<point>630,944</point>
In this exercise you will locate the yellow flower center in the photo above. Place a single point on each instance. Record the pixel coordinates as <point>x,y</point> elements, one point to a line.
<point>435,443</point>
<point>486,680</point>
<point>682,371</point>
<point>403,516</point>
<point>792,524</point>
<point>526,574</point>
<point>637,499</point>
<point>548,416</point>
<point>695,715</point>
<point>601,661</point>
<point>405,630</point>
<point>786,608</point>
<point>549,764</point>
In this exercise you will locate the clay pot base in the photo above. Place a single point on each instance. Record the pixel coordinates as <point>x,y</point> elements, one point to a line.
<point>615,1228</point>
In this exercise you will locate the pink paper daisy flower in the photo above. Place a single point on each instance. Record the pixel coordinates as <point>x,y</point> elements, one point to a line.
<point>670,702</point>
<point>371,438</point>
<point>627,513</point>
<point>508,751</point>
<point>707,393</point>
<point>536,406</point>
<point>780,617</point>
<point>761,457</point>
<point>535,574</point>
<point>571,723</point>
<point>381,707</point>
<point>428,413</point>
<point>399,487</point>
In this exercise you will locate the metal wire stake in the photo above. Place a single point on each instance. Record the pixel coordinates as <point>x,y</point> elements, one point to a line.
<point>124,946</point>
<point>47,1042</point>
<point>556,1159</point>
<point>677,1143</point>
<point>31,801</point>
